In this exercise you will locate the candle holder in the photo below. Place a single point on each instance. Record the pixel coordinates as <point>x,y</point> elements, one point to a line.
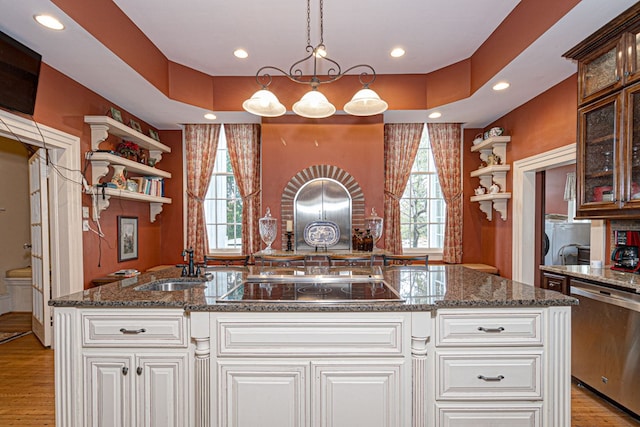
<point>289,235</point>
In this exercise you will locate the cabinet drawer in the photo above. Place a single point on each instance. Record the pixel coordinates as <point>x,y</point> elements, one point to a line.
<point>503,327</point>
<point>168,329</point>
<point>489,416</point>
<point>489,376</point>
<point>253,336</point>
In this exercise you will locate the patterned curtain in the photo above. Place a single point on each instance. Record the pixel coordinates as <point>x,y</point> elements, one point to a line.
<point>243,142</point>
<point>445,143</point>
<point>201,143</point>
<point>401,143</point>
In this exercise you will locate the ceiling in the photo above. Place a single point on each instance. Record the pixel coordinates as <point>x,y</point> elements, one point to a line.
<point>202,34</point>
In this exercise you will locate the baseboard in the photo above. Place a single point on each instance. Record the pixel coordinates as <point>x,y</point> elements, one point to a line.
<point>5,304</point>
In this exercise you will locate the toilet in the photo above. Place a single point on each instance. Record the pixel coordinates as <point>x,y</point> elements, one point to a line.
<point>18,283</point>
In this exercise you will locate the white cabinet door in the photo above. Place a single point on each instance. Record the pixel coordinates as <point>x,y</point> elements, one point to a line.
<point>358,393</point>
<point>262,393</point>
<point>108,393</point>
<point>162,390</point>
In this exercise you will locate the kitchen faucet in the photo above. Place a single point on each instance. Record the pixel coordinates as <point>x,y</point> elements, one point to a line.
<point>189,270</point>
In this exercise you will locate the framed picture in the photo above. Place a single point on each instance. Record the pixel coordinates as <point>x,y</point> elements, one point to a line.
<point>116,115</point>
<point>135,125</point>
<point>127,238</point>
<point>153,134</point>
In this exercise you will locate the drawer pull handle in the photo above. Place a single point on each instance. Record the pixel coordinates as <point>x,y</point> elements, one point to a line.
<point>133,331</point>
<point>490,330</point>
<point>498,378</point>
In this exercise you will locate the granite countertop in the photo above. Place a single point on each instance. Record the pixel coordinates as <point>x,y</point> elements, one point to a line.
<point>439,286</point>
<point>619,279</point>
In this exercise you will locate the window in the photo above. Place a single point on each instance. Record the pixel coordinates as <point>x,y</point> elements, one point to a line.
<point>223,205</point>
<point>422,207</point>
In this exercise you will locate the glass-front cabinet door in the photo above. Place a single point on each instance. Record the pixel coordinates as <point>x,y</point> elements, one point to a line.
<point>632,67</point>
<point>599,155</point>
<point>601,73</point>
<point>632,136</point>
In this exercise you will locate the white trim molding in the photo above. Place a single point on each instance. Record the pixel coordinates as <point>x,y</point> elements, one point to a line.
<point>523,197</point>
<point>65,193</point>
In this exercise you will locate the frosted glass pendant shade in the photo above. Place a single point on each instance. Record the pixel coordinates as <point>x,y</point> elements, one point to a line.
<point>314,105</point>
<point>365,103</point>
<point>264,103</point>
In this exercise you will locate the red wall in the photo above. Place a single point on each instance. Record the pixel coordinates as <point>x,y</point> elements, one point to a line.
<point>62,104</point>
<point>546,122</point>
<point>555,180</point>
<point>355,145</point>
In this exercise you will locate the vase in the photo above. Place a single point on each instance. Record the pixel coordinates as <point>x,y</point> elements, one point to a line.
<point>268,229</point>
<point>118,177</point>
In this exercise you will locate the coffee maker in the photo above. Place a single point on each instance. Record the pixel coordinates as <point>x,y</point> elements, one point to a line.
<point>625,254</point>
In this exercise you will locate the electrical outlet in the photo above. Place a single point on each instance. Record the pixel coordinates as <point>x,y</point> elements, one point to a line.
<point>85,212</point>
<point>85,225</point>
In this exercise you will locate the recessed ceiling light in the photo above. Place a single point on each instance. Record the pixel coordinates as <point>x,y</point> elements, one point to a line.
<point>397,52</point>
<point>501,86</point>
<point>241,53</point>
<point>435,115</point>
<point>210,116</point>
<point>49,22</point>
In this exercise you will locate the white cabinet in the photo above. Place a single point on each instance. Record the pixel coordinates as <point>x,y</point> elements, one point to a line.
<point>123,367</point>
<point>502,367</point>
<point>336,370</point>
<point>135,389</point>
<point>491,148</point>
<point>101,127</point>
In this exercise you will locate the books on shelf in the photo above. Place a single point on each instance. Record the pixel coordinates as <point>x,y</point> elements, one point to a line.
<point>151,185</point>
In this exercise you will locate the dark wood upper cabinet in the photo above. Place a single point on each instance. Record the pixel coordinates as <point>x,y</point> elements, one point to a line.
<point>608,162</point>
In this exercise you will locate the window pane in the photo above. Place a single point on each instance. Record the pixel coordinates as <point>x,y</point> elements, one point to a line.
<point>422,208</point>
<point>223,205</point>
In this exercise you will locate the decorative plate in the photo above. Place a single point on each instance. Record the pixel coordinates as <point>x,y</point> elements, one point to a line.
<point>321,233</point>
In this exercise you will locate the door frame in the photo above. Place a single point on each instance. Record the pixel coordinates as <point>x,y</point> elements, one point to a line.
<point>523,267</point>
<point>65,221</point>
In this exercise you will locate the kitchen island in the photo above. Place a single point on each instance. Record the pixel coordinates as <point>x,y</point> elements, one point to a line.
<point>452,347</point>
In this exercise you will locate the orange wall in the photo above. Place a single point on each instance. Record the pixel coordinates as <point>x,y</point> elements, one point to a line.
<point>355,145</point>
<point>62,104</point>
<point>554,183</point>
<point>542,124</point>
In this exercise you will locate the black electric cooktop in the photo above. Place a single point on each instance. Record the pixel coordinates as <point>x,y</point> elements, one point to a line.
<point>313,285</point>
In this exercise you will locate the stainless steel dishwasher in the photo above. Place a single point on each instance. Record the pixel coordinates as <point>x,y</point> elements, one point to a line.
<point>605,346</point>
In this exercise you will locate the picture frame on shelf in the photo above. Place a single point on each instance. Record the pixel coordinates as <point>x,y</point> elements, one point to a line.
<point>127,238</point>
<point>153,134</point>
<point>135,125</point>
<point>115,114</point>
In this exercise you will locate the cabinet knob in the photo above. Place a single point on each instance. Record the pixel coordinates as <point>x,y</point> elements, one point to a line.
<point>491,330</point>
<point>125,370</point>
<point>139,370</point>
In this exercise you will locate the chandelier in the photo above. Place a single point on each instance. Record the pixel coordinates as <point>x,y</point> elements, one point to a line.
<point>314,104</point>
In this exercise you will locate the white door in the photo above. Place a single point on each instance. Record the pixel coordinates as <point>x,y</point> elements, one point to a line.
<point>40,282</point>
<point>108,390</point>
<point>358,393</point>
<point>263,393</point>
<point>162,390</point>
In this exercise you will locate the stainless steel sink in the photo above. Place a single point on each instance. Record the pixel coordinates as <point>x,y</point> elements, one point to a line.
<point>170,285</point>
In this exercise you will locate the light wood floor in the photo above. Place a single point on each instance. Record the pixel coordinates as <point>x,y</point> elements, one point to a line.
<point>27,388</point>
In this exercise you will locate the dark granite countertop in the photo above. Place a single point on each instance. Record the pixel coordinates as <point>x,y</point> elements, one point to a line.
<point>439,286</point>
<point>607,276</point>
